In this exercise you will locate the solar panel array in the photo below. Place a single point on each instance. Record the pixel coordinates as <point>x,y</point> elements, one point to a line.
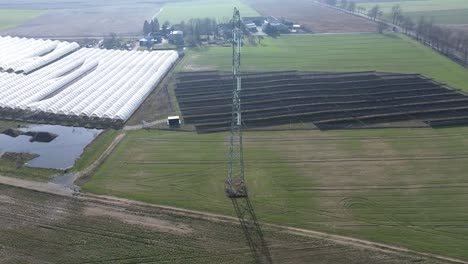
<point>337,100</point>
<point>93,83</point>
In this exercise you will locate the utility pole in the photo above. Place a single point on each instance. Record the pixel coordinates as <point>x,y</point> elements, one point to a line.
<point>235,185</point>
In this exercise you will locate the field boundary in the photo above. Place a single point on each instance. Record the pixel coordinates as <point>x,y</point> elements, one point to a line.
<point>82,175</point>
<point>43,187</point>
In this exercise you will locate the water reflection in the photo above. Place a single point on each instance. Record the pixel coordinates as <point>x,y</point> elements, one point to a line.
<point>60,153</point>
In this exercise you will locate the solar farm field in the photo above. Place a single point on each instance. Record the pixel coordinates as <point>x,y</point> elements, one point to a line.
<point>217,9</point>
<point>443,11</point>
<point>405,187</point>
<point>334,53</point>
<point>328,100</point>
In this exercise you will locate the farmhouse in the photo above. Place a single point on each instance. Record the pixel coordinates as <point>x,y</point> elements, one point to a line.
<point>251,27</point>
<point>258,21</point>
<point>177,37</point>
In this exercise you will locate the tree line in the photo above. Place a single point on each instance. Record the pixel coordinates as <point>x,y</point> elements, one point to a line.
<point>154,28</point>
<point>425,30</point>
<point>196,30</point>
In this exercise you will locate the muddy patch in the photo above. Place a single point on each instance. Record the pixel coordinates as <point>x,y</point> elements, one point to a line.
<point>6,200</point>
<point>134,219</point>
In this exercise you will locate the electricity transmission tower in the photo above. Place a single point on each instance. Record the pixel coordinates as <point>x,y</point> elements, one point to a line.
<point>235,184</point>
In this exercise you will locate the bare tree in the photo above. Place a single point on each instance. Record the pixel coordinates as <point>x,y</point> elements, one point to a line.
<point>382,26</point>
<point>420,29</point>
<point>352,7</point>
<point>146,27</point>
<point>465,51</point>
<point>396,13</point>
<point>374,12</point>
<point>380,15</point>
<point>407,24</point>
<point>344,4</point>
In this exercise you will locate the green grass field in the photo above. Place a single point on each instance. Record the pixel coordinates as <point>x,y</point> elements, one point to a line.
<point>405,187</point>
<point>94,150</point>
<point>388,53</point>
<point>11,169</point>
<point>444,11</point>
<point>449,17</point>
<point>10,18</point>
<point>221,10</point>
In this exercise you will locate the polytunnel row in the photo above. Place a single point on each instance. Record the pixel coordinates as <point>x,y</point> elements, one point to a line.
<point>22,55</point>
<point>89,83</point>
<point>115,89</point>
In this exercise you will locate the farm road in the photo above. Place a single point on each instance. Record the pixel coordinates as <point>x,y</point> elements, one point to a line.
<point>44,187</point>
<point>145,125</point>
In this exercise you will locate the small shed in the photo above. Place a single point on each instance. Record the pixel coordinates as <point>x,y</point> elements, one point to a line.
<point>173,121</point>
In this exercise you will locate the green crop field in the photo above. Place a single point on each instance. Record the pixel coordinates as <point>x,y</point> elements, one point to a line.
<point>221,10</point>
<point>10,18</point>
<point>406,187</point>
<point>443,11</point>
<point>389,53</point>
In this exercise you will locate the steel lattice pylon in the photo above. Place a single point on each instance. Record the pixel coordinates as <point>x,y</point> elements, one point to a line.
<point>236,188</point>
<point>235,183</point>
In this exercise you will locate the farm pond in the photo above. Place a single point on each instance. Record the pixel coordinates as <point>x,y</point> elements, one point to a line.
<point>55,147</point>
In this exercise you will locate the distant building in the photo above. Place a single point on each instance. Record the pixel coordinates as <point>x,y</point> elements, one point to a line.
<point>147,41</point>
<point>143,42</point>
<point>176,37</point>
<point>251,27</point>
<point>258,21</point>
<point>272,24</point>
